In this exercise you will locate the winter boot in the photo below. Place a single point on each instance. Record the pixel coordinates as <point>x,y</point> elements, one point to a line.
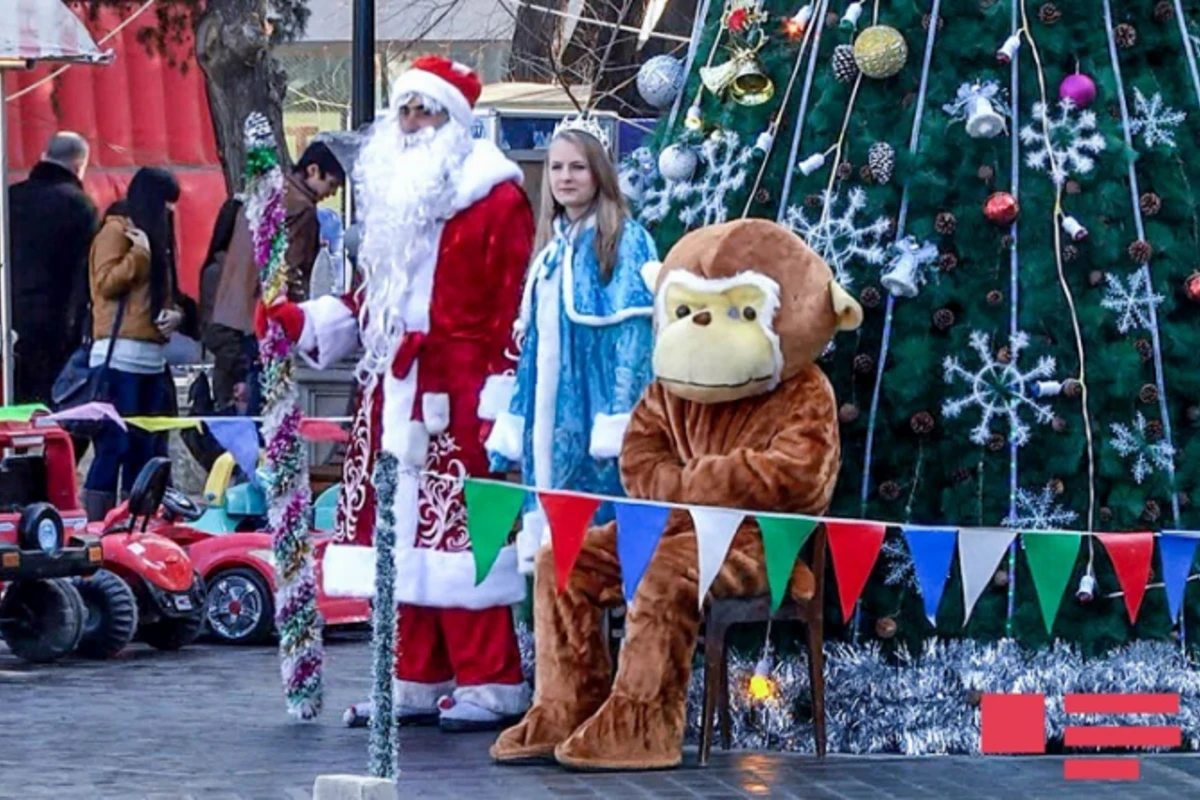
<point>98,504</point>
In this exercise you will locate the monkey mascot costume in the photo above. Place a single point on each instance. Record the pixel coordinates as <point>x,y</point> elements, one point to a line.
<point>738,416</point>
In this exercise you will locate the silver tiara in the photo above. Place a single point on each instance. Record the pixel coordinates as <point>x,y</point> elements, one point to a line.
<point>583,123</point>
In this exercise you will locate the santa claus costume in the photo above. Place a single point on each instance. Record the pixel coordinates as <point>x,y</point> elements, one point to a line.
<point>447,237</point>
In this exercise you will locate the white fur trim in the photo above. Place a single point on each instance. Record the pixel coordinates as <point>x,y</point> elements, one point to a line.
<point>425,577</point>
<point>410,696</point>
<point>496,395</point>
<point>545,391</point>
<point>330,332</point>
<point>413,447</point>
<point>348,570</point>
<point>505,699</point>
<point>507,437</point>
<point>608,431</point>
<point>698,283</point>
<point>435,409</point>
<point>534,529</point>
<point>423,82</point>
<point>440,579</point>
<point>650,272</point>
<point>485,168</point>
<point>568,290</point>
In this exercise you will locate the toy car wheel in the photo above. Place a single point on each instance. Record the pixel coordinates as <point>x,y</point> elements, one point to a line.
<point>41,621</point>
<point>111,614</point>
<point>240,609</point>
<point>174,633</point>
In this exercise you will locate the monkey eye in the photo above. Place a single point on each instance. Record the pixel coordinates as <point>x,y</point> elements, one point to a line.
<point>682,311</point>
<point>749,313</point>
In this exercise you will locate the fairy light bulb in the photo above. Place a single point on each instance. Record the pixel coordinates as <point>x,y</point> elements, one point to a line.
<point>761,685</point>
<point>795,26</point>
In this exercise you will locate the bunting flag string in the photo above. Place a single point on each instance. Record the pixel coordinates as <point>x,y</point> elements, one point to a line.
<point>568,518</point>
<point>1131,555</point>
<point>715,529</point>
<point>492,508</point>
<point>932,550</point>
<point>1178,551</point>
<point>855,547</point>
<point>979,552</point>
<point>639,528</point>
<point>1051,562</point>
<point>782,538</point>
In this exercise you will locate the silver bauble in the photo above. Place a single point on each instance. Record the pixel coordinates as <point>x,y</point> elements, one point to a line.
<point>677,163</point>
<point>659,80</point>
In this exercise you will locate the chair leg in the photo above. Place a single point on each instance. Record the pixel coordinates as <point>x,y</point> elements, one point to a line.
<point>816,669</point>
<point>723,696</point>
<point>713,657</point>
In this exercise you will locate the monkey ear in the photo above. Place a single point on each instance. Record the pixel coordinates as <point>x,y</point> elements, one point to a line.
<point>849,312</point>
<point>650,273</point>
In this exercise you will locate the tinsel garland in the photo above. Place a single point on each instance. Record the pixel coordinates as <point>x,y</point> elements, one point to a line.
<point>286,479</point>
<point>929,705</point>
<point>383,747</point>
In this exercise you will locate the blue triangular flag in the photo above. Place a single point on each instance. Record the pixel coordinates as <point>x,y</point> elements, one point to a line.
<point>639,527</point>
<point>1177,551</point>
<point>240,438</point>
<point>931,550</point>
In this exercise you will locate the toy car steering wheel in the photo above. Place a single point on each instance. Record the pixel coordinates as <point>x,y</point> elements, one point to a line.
<point>177,505</point>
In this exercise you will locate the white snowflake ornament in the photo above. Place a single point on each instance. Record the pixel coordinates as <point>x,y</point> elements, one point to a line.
<point>999,389</point>
<point>1061,143</point>
<point>840,238</point>
<point>1154,120</point>
<point>724,170</point>
<point>1133,300</point>
<point>1038,512</point>
<point>1148,457</point>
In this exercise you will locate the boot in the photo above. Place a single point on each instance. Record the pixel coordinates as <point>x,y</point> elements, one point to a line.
<point>98,504</point>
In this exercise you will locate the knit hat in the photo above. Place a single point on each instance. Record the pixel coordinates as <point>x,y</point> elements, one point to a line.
<point>455,86</point>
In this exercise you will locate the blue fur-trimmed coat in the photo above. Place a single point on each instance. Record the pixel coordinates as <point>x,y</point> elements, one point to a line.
<point>584,362</point>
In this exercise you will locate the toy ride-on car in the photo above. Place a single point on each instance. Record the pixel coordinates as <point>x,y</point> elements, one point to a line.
<point>42,543</point>
<point>148,586</point>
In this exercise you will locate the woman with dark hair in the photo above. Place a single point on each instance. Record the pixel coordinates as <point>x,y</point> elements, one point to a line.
<point>136,306</point>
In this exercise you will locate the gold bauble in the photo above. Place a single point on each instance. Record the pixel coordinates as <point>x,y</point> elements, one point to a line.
<point>880,51</point>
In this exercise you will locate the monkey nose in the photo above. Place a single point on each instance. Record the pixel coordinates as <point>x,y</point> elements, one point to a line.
<point>703,318</point>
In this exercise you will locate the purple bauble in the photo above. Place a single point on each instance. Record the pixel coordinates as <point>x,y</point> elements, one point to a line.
<point>1080,88</point>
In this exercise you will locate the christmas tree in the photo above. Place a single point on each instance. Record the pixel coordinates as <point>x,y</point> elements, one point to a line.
<point>1006,187</point>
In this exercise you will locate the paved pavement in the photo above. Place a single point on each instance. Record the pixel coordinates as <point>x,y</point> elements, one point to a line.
<point>208,723</point>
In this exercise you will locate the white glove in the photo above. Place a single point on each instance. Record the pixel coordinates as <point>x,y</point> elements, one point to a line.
<point>533,534</point>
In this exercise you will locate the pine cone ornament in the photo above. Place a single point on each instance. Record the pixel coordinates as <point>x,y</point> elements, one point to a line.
<point>1106,514</point>
<point>1003,355</point>
<point>881,158</point>
<point>1151,511</point>
<point>1154,430</point>
<point>1095,278</point>
<point>926,19</point>
<point>1144,348</point>
<point>1193,414</point>
<point>943,319</point>
<point>886,627</point>
<point>1072,388</point>
<point>1058,424</point>
<point>922,423</point>
<point>1049,14</point>
<point>996,442</point>
<point>1126,35</point>
<point>1073,187</point>
<point>1164,11</point>
<point>945,223</point>
<point>1140,251</point>
<point>995,297</point>
<point>813,200</point>
<point>845,170</point>
<point>986,173</point>
<point>845,69</point>
<point>847,413</point>
<point>1069,253</point>
<point>864,364</point>
<point>947,262</point>
<point>889,490</point>
<point>1148,394</point>
<point>1151,204</point>
<point>870,297</point>
<point>864,173</point>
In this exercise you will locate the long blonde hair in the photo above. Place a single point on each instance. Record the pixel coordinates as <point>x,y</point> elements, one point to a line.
<point>610,207</point>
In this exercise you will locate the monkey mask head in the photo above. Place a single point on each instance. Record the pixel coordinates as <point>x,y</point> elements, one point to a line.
<point>740,307</point>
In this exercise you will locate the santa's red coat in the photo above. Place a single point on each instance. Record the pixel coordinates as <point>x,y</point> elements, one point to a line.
<point>433,408</point>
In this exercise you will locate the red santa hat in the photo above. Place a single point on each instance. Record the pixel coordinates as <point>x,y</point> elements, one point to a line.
<point>454,86</point>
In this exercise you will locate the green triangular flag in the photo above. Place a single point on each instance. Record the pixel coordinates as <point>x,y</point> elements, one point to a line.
<point>20,413</point>
<point>782,538</point>
<point>1051,559</point>
<point>491,509</point>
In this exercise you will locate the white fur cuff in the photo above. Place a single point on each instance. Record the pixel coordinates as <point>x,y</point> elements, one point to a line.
<point>507,436</point>
<point>534,531</point>
<point>414,696</point>
<point>330,332</point>
<point>435,408</point>
<point>413,449</point>
<point>348,570</point>
<point>500,698</point>
<point>496,395</point>
<point>608,431</point>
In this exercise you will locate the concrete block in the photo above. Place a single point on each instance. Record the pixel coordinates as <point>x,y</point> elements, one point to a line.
<point>353,787</point>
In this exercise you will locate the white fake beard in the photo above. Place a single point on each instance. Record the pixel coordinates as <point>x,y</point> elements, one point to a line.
<point>407,187</point>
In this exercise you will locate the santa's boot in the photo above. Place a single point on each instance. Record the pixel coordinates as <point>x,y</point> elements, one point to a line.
<point>573,670</point>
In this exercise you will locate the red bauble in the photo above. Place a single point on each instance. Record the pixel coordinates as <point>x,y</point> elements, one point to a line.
<point>1191,287</point>
<point>1001,208</point>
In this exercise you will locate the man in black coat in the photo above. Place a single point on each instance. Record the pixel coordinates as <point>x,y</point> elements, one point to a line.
<point>52,222</point>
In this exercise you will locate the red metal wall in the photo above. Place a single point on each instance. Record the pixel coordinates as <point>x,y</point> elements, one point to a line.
<point>138,111</point>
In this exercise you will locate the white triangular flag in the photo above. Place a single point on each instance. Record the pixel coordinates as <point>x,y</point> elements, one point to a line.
<point>715,529</point>
<point>979,551</point>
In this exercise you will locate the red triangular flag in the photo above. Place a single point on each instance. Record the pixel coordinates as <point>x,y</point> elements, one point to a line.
<point>1131,554</point>
<point>569,516</point>
<point>854,546</point>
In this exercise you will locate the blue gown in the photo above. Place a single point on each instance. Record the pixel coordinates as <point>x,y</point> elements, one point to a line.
<point>585,360</point>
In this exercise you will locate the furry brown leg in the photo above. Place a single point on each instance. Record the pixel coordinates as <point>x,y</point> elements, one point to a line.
<point>573,670</point>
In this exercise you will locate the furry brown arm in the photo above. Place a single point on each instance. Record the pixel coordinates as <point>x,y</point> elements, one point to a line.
<point>650,465</point>
<point>797,470</point>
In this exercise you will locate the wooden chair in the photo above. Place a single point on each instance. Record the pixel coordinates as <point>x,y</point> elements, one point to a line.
<point>724,613</point>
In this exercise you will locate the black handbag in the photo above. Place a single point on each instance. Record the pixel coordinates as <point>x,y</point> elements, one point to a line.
<point>79,383</point>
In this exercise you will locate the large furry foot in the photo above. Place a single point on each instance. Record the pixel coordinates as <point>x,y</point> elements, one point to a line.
<point>624,735</point>
<point>535,738</point>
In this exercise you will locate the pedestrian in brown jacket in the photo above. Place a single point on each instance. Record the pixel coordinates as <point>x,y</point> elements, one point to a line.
<point>230,332</point>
